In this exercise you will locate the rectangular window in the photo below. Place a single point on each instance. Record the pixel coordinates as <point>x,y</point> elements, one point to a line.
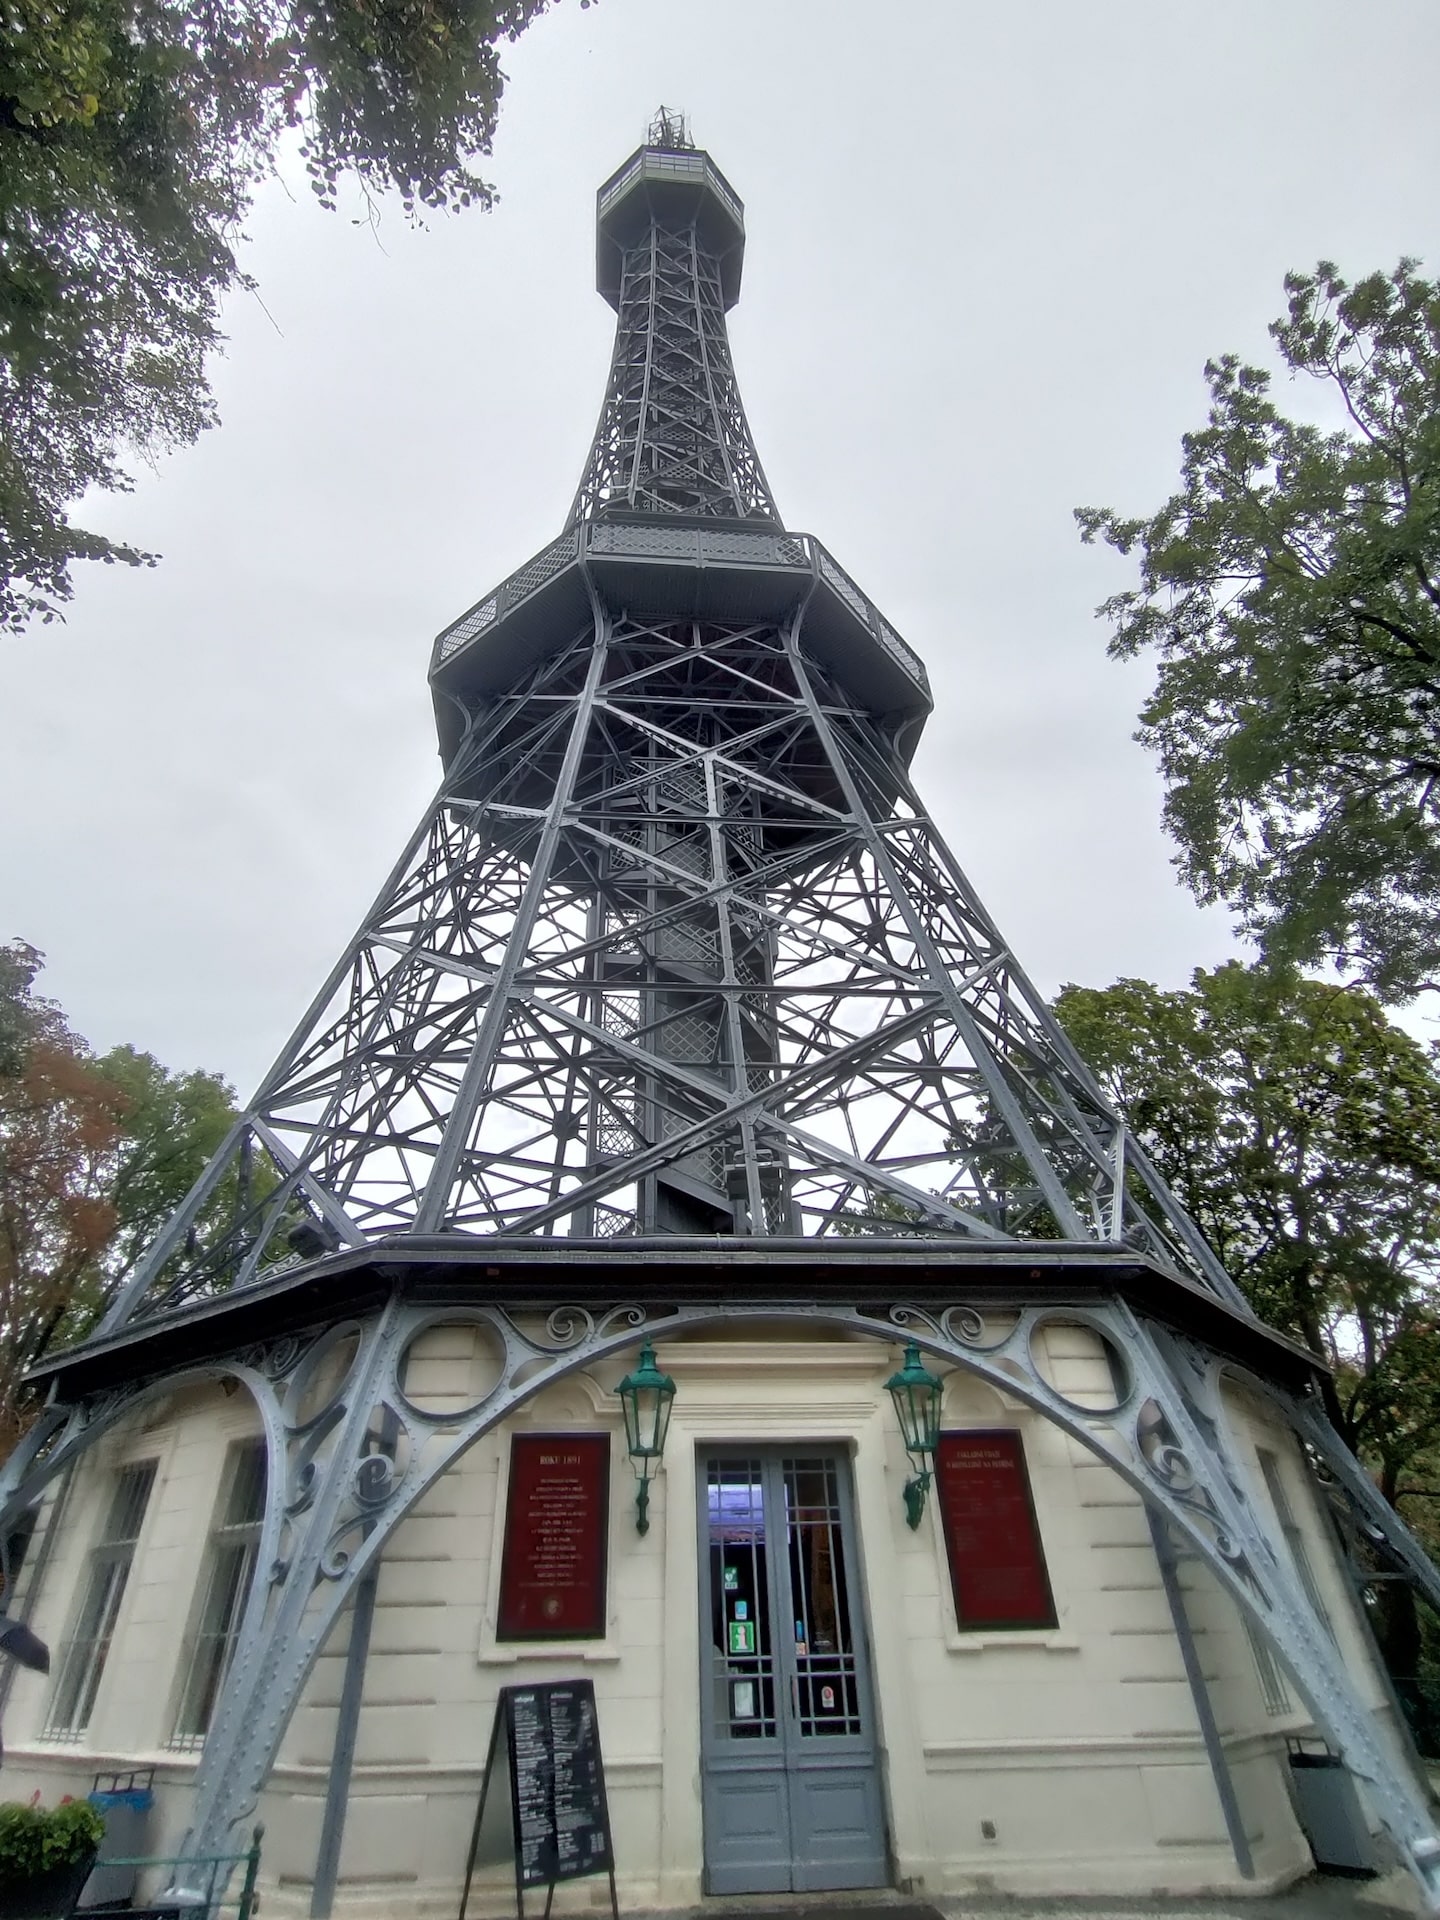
<point>1294,1538</point>
<point>1273,1690</point>
<point>229,1571</point>
<point>83,1662</point>
<point>997,1564</point>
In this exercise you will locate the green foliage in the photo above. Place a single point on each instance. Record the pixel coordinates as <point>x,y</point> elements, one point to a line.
<point>1301,1131</point>
<point>132,134</point>
<point>94,1156</point>
<point>170,1125</point>
<point>878,1210</point>
<point>1291,594</point>
<point>36,1839</point>
<point>19,964</point>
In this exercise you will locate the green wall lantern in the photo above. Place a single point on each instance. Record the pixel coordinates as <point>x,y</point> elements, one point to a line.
<point>646,1395</point>
<point>916,1393</point>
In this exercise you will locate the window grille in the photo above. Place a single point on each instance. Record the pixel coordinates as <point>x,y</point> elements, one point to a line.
<point>82,1664</point>
<point>229,1569</point>
<point>1273,1689</point>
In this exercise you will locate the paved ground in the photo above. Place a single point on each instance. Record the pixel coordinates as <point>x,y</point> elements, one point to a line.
<point>1322,1897</point>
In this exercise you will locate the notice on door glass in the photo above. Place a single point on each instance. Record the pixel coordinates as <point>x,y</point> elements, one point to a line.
<point>997,1565</point>
<point>552,1573</point>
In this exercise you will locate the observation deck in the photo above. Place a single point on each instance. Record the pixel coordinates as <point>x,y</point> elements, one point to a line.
<point>674,187</point>
<point>671,570</point>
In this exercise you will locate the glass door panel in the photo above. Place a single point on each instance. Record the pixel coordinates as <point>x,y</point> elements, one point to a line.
<point>742,1638</point>
<point>825,1693</point>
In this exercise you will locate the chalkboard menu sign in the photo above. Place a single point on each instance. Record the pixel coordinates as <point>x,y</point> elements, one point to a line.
<point>997,1566</point>
<point>552,1570</point>
<point>546,1744</point>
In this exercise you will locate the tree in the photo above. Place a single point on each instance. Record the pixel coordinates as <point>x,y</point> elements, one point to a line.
<point>1301,1131</point>
<point>58,1127</point>
<point>132,134</point>
<point>93,1156</point>
<point>1291,593</point>
<point>169,1124</point>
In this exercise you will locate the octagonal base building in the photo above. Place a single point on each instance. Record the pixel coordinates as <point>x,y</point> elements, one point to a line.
<point>678,1260</point>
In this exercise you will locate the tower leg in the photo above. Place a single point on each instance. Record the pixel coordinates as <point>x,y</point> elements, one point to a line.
<point>350,1473</point>
<point>1366,1498</point>
<point>1200,1694</point>
<point>1177,1427</point>
<point>342,1759</point>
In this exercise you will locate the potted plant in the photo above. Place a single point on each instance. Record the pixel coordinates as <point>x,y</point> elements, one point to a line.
<point>46,1854</point>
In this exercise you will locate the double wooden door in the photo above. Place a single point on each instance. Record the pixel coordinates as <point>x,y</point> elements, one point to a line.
<point>792,1797</point>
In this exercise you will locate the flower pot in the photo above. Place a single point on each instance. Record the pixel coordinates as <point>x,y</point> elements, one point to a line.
<point>46,1896</point>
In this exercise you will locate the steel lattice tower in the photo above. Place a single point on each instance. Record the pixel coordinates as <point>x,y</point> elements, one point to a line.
<point>678,949</point>
<point>677,999</point>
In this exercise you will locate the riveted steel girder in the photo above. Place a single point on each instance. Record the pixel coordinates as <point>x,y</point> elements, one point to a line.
<point>676,949</point>
<point>672,436</point>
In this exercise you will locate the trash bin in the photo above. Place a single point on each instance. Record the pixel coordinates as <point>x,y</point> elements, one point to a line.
<point>1330,1812</point>
<point>125,1799</point>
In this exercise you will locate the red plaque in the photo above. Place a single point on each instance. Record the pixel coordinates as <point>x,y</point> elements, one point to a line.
<point>552,1575</point>
<point>997,1566</point>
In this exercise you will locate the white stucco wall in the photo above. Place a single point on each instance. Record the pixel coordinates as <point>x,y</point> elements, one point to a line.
<point>1079,1745</point>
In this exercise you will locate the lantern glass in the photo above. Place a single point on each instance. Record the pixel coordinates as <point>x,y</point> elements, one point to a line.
<point>916,1393</point>
<point>646,1396</point>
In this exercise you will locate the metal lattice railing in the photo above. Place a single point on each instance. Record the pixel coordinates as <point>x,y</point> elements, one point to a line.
<point>798,552</point>
<point>507,596</point>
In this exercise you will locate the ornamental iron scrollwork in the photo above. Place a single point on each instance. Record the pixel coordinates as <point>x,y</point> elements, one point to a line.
<point>567,1326</point>
<point>1173,1468</point>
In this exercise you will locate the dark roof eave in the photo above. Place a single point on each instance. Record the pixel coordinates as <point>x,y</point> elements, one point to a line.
<point>529,1273</point>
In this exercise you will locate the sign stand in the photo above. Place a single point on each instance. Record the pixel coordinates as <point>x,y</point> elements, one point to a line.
<point>555,1775</point>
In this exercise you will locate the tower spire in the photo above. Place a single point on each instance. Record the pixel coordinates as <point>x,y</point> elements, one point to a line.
<point>672,436</point>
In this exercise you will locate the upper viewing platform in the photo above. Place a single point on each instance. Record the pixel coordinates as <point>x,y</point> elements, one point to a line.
<point>674,519</point>
<point>671,182</point>
<point>672,436</point>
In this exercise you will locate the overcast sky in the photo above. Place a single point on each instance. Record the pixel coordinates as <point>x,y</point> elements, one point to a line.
<point>990,248</point>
